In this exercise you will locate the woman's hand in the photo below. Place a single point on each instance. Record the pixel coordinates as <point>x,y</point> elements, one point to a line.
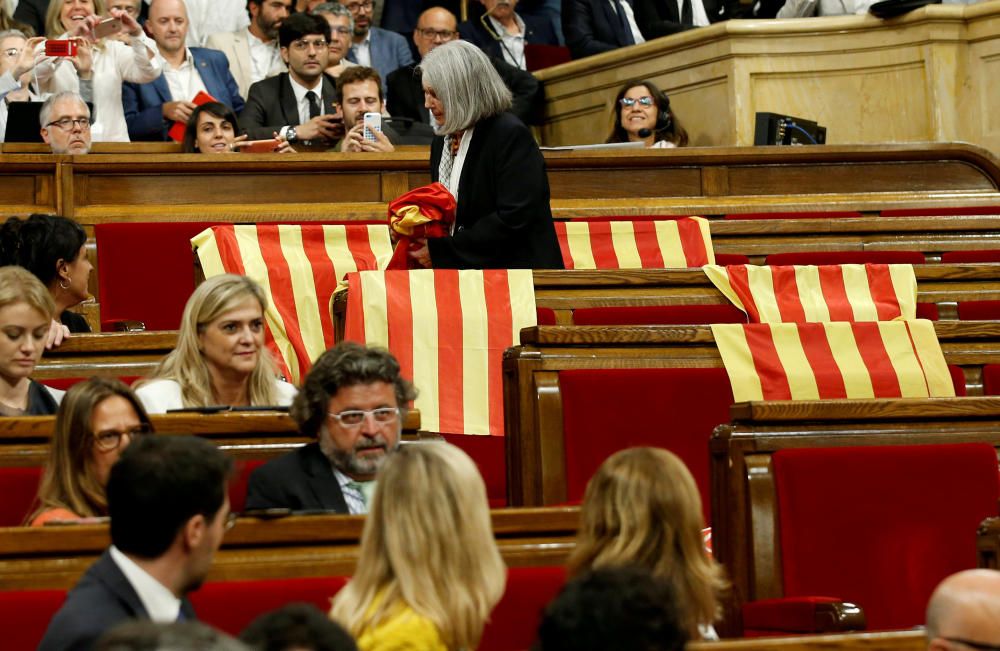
<point>129,24</point>
<point>56,335</point>
<point>420,253</point>
<point>84,29</point>
<point>284,147</point>
<point>84,59</point>
<point>27,59</point>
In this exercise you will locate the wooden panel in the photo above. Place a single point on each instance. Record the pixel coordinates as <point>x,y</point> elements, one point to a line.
<point>893,641</point>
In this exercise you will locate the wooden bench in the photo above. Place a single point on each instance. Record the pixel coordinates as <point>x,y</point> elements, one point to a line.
<point>891,641</point>
<point>113,354</point>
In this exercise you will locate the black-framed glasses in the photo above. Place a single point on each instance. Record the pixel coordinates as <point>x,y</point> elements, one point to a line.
<point>108,440</point>
<point>354,417</point>
<point>304,44</point>
<point>981,646</point>
<point>645,100</point>
<point>433,34</point>
<point>67,124</point>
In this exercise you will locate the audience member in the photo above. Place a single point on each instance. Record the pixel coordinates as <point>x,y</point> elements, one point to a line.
<point>253,51</point>
<point>641,113</point>
<point>341,33</point>
<point>212,129</point>
<point>296,105</point>
<point>54,249</point>
<point>306,6</point>
<point>489,160</point>
<point>353,402</point>
<point>173,636</point>
<point>964,612</point>
<point>8,23</point>
<point>622,608</point>
<point>17,59</point>
<point>97,420</point>
<point>297,627</point>
<point>373,46</point>
<point>642,508</point>
<point>429,572</point>
<point>152,108</point>
<point>220,357</point>
<point>131,7</point>
<point>26,310</point>
<point>596,26</point>
<point>214,17</point>
<point>108,61</point>
<point>502,32</point>
<point>31,13</point>
<point>169,510</point>
<point>663,17</point>
<point>360,92</point>
<point>806,8</point>
<point>435,27</point>
<point>65,124</point>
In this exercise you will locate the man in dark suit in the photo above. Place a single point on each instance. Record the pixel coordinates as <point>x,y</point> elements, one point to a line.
<point>596,26</point>
<point>375,47</point>
<point>503,33</point>
<point>663,17</point>
<point>169,511</point>
<point>436,26</point>
<point>354,402</point>
<point>298,105</point>
<point>152,108</point>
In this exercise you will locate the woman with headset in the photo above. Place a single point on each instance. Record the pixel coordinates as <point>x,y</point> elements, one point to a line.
<point>641,113</point>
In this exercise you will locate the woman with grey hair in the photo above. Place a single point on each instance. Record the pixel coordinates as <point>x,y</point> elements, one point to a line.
<point>489,161</point>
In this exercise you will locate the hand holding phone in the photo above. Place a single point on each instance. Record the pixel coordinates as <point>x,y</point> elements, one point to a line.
<point>107,27</point>
<point>372,123</point>
<point>258,146</point>
<point>60,47</point>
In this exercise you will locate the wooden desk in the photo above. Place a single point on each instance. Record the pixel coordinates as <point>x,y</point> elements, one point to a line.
<point>111,354</point>
<point>892,641</point>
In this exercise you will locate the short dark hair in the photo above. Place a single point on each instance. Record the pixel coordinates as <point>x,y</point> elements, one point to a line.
<point>623,608</point>
<point>297,626</point>
<point>144,635</point>
<point>219,110</point>
<point>39,242</point>
<point>345,365</point>
<point>159,484</point>
<point>672,131</point>
<point>301,25</point>
<point>354,74</point>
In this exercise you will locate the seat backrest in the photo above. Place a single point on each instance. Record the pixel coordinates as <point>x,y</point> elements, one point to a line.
<point>880,526</point>
<point>514,622</point>
<point>19,486</point>
<point>846,257</point>
<point>25,614</point>
<point>659,315</point>
<point>488,453</point>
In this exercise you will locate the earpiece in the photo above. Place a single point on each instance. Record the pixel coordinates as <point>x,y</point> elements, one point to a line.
<point>663,121</point>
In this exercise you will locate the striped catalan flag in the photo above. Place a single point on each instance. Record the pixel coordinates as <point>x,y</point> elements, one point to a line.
<point>814,361</point>
<point>299,267</point>
<point>448,328</point>
<point>661,244</point>
<point>815,294</point>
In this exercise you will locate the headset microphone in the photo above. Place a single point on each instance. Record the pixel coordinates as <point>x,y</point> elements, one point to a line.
<point>645,133</point>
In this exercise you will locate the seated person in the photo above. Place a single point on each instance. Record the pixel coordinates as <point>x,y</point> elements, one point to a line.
<point>220,358</point>
<point>805,8</point>
<point>429,520</point>
<point>26,310</point>
<point>152,108</point>
<point>373,46</point>
<point>657,18</point>
<point>64,122</point>
<point>17,60</point>
<point>596,26</point>
<point>96,422</point>
<point>642,508</point>
<point>54,249</point>
<point>354,402</point>
<point>341,31</point>
<point>297,627</point>
<point>212,129</point>
<point>641,113</point>
<point>253,52</point>
<point>964,612</point>
<point>143,635</point>
<point>360,91</point>
<point>502,32</point>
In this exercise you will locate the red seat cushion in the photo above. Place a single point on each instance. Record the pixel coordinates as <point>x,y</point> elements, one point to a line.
<point>546,316</point>
<point>679,408</point>
<point>958,379</point>
<point>514,621</point>
<point>979,311</point>
<point>991,379</point>
<point>242,469</point>
<point>932,212</point>
<point>847,257</point>
<point>25,615</point>
<point>659,315</point>
<point>832,214</point>
<point>488,453</point>
<point>19,487</point>
<point>958,257</point>
<point>731,258</point>
<point>881,526</point>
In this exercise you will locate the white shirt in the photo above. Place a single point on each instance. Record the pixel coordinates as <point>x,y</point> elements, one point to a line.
<point>511,45</point>
<point>698,16</point>
<point>184,82</point>
<point>263,57</point>
<point>302,102</point>
<point>630,18</point>
<point>363,51</point>
<point>159,396</point>
<point>457,165</point>
<point>160,603</point>
<point>207,17</point>
<point>356,504</point>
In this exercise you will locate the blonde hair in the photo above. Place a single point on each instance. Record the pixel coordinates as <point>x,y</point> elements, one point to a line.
<point>427,544</point>
<point>53,25</point>
<point>18,285</point>
<point>187,366</point>
<point>642,508</point>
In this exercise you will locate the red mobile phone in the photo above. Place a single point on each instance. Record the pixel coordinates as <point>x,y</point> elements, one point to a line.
<point>258,146</point>
<point>60,48</point>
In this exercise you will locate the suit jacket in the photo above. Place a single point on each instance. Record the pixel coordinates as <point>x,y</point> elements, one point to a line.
<point>536,31</point>
<point>588,26</point>
<point>32,14</point>
<point>143,103</point>
<point>271,105</point>
<point>102,599</point>
<point>236,47</point>
<point>503,220</point>
<point>657,18</point>
<point>389,51</point>
<point>405,96</point>
<point>301,480</point>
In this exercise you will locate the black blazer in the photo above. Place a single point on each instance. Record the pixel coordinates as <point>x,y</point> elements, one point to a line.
<point>101,600</point>
<point>271,105</point>
<point>301,480</point>
<point>503,220</point>
<point>537,31</point>
<point>657,18</point>
<point>588,26</point>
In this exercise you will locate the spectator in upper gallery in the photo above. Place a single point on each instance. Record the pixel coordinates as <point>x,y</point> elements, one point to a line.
<point>341,33</point>
<point>437,26</point>
<point>209,17</point>
<point>641,113</point>
<point>360,92</point>
<point>664,17</point>
<point>131,7</point>
<point>30,13</point>
<point>375,47</point>
<point>596,26</point>
<point>253,51</point>
<point>152,108</point>
<point>502,32</point>
<point>964,612</point>
<point>17,60</point>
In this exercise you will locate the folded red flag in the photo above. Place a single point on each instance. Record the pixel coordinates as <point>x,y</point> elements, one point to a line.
<point>176,131</point>
<point>424,212</point>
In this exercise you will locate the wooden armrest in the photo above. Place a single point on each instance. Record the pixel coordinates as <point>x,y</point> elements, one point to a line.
<point>802,615</point>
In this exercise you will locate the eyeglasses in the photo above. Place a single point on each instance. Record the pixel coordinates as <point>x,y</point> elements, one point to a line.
<point>109,440</point>
<point>972,645</point>
<point>645,100</point>
<point>358,6</point>
<point>434,34</point>
<point>354,417</point>
<point>12,52</point>
<point>340,30</point>
<point>230,521</point>
<point>302,44</point>
<point>67,124</point>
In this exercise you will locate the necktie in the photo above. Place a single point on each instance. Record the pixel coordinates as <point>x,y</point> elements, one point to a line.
<point>686,14</point>
<point>624,31</point>
<point>364,489</point>
<point>447,163</point>
<point>314,104</point>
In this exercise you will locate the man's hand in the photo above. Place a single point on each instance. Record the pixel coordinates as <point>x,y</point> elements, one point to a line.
<point>328,127</point>
<point>421,254</point>
<point>26,59</point>
<point>178,111</point>
<point>355,141</point>
<point>129,25</point>
<point>57,333</point>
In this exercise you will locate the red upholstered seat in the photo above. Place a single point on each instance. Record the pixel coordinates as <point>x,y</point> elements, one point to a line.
<point>881,526</point>
<point>606,410</point>
<point>847,257</point>
<point>18,486</point>
<point>731,258</point>
<point>488,453</point>
<point>947,210</point>
<point>991,379</point>
<point>514,622</point>
<point>979,310</point>
<point>957,257</point>
<point>238,483</point>
<point>25,614</point>
<point>659,315</point>
<point>958,379</point>
<point>832,214</point>
<point>545,316</point>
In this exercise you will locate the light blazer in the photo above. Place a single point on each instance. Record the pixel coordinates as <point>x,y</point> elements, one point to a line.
<point>301,480</point>
<point>143,103</point>
<point>271,105</point>
<point>389,51</point>
<point>236,47</point>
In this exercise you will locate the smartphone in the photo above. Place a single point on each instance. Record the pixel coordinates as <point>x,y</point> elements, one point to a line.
<point>107,27</point>
<point>372,123</point>
<point>258,146</point>
<point>60,48</point>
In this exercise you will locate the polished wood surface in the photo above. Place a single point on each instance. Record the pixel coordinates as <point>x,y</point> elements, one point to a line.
<point>891,641</point>
<point>113,354</point>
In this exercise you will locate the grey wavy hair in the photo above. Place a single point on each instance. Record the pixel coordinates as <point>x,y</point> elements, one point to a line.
<point>334,9</point>
<point>46,111</point>
<point>466,83</point>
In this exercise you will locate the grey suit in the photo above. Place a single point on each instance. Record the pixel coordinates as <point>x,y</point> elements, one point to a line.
<point>236,47</point>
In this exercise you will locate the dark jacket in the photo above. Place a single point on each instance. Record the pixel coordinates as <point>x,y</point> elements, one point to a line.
<point>32,14</point>
<point>657,18</point>
<point>40,401</point>
<point>590,27</point>
<point>271,105</point>
<point>503,220</point>
<point>75,322</point>
<point>301,480</point>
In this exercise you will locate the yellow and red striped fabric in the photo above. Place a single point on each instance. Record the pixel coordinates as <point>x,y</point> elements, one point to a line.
<point>813,361</point>
<point>815,294</point>
<point>661,244</point>
<point>299,267</point>
<point>448,328</point>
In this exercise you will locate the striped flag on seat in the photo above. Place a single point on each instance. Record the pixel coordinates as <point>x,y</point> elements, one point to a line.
<point>448,328</point>
<point>667,243</point>
<point>299,267</point>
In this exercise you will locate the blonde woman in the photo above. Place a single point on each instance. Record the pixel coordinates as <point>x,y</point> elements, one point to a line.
<point>642,508</point>
<point>220,357</point>
<point>26,310</point>
<point>429,572</point>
